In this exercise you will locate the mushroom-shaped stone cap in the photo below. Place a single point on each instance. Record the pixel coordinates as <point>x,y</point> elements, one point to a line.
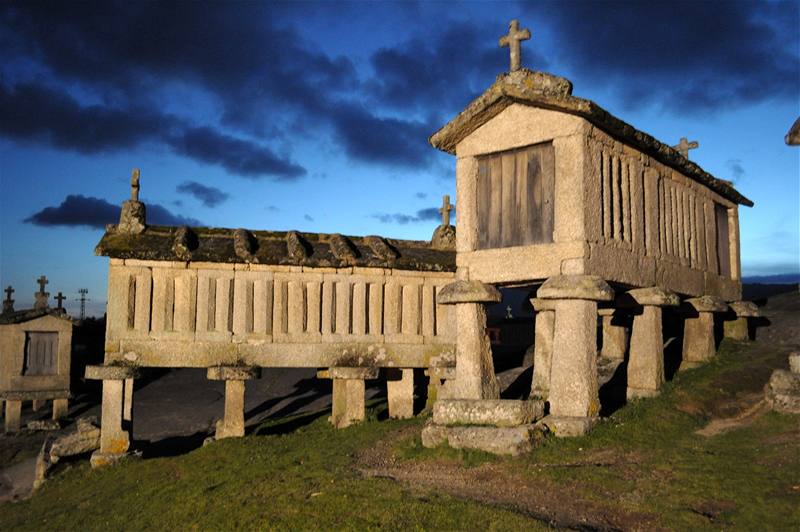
<point>233,373</point>
<point>745,309</point>
<point>590,287</point>
<point>654,296</point>
<point>708,304</point>
<point>469,292</point>
<point>540,305</point>
<point>111,372</point>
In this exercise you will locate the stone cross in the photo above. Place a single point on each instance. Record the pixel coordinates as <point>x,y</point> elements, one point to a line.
<point>8,303</point>
<point>41,295</point>
<point>42,281</point>
<point>684,146</point>
<point>512,40</point>
<point>445,210</point>
<point>60,297</point>
<point>135,185</point>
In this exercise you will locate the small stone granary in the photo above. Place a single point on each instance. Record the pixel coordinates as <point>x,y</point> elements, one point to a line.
<point>35,352</point>
<point>553,192</point>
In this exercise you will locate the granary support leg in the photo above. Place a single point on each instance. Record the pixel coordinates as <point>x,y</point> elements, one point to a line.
<point>114,437</point>
<point>60,408</point>
<point>347,403</point>
<point>738,320</point>
<point>544,329</point>
<point>615,334</point>
<point>438,387</point>
<point>646,356</point>
<point>475,378</point>
<point>574,399</point>
<point>232,423</point>
<point>13,415</point>
<point>400,392</point>
<point>698,331</point>
<point>127,407</point>
<point>36,404</point>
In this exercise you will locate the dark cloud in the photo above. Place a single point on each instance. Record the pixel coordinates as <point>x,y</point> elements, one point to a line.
<point>421,195</point>
<point>422,215</point>
<point>79,210</point>
<point>308,218</point>
<point>685,55</point>
<point>736,168</point>
<point>209,196</point>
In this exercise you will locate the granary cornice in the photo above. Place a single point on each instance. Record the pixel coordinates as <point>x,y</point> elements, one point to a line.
<point>292,248</point>
<point>546,91</point>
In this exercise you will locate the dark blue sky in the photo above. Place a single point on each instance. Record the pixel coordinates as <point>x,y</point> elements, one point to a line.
<point>315,116</point>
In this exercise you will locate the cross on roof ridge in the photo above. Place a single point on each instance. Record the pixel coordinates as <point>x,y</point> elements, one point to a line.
<point>8,292</point>
<point>60,297</point>
<point>42,280</point>
<point>684,146</point>
<point>512,40</point>
<point>445,210</point>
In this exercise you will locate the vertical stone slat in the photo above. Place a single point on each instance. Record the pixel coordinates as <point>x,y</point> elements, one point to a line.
<point>627,218</point>
<point>411,310</point>
<point>314,306</point>
<point>280,307</point>
<point>375,303</point>
<point>606,190</point>
<point>616,207</point>
<point>296,306</point>
<point>327,307</point>
<point>343,306</point>
<point>185,301</point>
<point>428,310</point>
<point>392,313</point>
<point>224,296</point>
<point>359,308</point>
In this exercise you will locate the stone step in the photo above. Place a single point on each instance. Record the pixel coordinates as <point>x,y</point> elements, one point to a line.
<point>491,412</point>
<point>496,440</point>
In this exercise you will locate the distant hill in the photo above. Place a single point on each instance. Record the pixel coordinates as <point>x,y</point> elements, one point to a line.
<point>781,278</point>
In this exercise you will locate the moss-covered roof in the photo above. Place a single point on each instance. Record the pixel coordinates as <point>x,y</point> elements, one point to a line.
<point>21,316</point>
<point>291,248</point>
<point>539,89</point>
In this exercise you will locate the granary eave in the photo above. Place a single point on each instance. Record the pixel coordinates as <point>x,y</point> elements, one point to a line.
<point>22,316</point>
<point>288,248</point>
<point>525,87</point>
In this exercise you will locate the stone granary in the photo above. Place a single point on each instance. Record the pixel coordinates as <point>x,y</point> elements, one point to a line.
<point>235,301</point>
<point>35,351</point>
<point>553,192</point>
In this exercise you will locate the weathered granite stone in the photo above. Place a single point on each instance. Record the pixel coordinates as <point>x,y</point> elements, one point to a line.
<point>615,335</point>
<point>745,309</point>
<point>83,439</point>
<point>462,291</point>
<point>444,237</point>
<point>782,392</point>
<point>60,408</point>
<point>794,362</point>
<point>544,331</point>
<point>232,424</point>
<point>708,304</point>
<point>233,373</point>
<point>13,415</point>
<point>347,401</point>
<point>587,287</point>
<point>34,395</point>
<point>497,440</point>
<point>494,412</point>
<point>348,373</point>
<point>132,218</point>
<point>698,340</point>
<point>343,250</point>
<point>475,377</point>
<point>512,42</point>
<point>114,440</point>
<point>400,392</point>
<point>185,242</point>
<point>245,245</point>
<point>43,424</point>
<point>568,426</point>
<point>381,249</point>
<point>652,295</point>
<point>646,357</point>
<point>111,372</point>
<point>296,247</point>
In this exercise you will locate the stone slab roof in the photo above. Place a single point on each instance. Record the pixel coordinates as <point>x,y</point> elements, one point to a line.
<point>21,316</point>
<point>273,247</point>
<point>546,91</point>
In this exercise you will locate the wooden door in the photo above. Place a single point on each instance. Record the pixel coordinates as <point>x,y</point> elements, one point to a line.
<point>41,353</point>
<point>515,197</point>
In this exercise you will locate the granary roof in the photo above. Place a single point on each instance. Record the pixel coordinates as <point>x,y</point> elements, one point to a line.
<point>546,91</point>
<point>204,244</point>
<point>21,316</point>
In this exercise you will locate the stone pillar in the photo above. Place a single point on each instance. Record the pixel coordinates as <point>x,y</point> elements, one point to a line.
<point>60,408</point>
<point>646,354</point>
<point>232,423</point>
<point>738,320</point>
<point>114,437</point>
<point>400,392</point>
<point>127,407</point>
<point>615,334</point>
<point>542,346</point>
<point>698,330</point>
<point>37,404</point>
<point>347,403</point>
<point>574,399</point>
<point>439,385</point>
<point>475,378</point>
<point>13,415</point>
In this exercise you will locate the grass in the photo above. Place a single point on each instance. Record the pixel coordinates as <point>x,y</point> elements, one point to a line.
<point>646,459</point>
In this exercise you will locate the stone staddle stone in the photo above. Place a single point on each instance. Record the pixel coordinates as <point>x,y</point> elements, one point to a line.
<point>654,296</point>
<point>111,372</point>
<point>745,309</point>
<point>468,292</point>
<point>233,373</point>
<point>587,287</point>
<point>492,412</point>
<point>708,304</point>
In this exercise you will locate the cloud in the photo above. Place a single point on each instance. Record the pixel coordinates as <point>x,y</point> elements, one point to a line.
<point>208,196</point>
<point>79,210</point>
<point>736,168</point>
<point>684,55</point>
<point>422,215</point>
<point>308,218</point>
<point>421,195</point>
